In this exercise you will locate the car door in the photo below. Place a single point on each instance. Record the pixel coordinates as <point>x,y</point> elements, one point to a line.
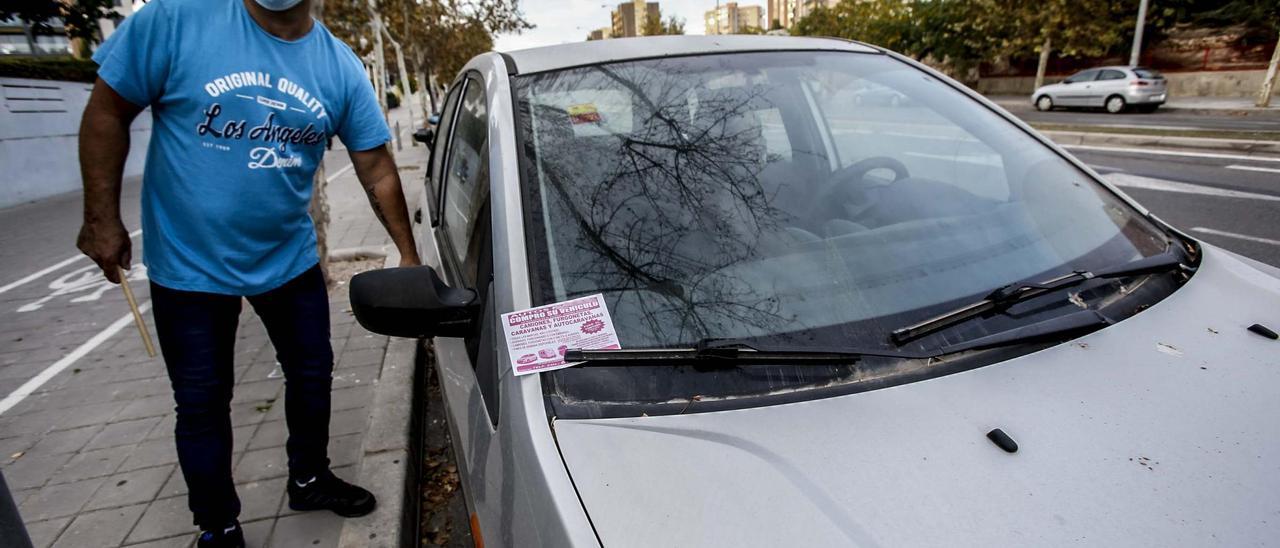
<point>1110,82</point>
<point>462,237</point>
<point>1077,88</point>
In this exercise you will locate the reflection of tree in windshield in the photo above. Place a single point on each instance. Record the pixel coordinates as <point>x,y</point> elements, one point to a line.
<point>661,211</point>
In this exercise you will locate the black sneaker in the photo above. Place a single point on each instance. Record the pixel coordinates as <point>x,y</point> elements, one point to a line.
<point>229,537</point>
<point>328,492</point>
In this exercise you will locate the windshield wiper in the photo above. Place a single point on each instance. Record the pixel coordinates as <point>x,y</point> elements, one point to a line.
<point>1004,297</point>
<point>724,352</point>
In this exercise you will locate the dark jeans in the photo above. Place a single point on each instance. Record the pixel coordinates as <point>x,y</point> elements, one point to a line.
<point>197,336</point>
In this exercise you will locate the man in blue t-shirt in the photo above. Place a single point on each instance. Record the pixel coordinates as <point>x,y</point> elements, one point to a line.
<point>244,95</point>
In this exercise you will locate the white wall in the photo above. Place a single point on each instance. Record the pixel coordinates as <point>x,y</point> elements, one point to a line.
<point>39,126</point>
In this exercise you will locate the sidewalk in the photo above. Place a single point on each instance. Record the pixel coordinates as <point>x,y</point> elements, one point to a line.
<point>90,455</point>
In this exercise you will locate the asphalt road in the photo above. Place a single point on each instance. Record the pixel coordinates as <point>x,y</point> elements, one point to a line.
<point>1160,119</point>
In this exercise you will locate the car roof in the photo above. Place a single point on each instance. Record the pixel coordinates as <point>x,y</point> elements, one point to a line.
<point>578,54</point>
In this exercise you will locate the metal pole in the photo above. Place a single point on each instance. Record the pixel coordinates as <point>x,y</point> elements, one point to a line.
<point>1137,34</point>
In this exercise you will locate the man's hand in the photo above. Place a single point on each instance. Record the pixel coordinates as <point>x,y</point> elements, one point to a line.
<point>377,172</point>
<point>109,245</point>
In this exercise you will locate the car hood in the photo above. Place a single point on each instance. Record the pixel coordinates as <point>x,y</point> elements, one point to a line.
<point>1161,430</point>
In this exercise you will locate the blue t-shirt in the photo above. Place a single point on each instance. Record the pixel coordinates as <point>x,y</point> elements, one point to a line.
<point>241,120</point>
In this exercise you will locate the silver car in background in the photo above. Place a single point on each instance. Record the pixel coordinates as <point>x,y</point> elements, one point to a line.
<point>1113,88</point>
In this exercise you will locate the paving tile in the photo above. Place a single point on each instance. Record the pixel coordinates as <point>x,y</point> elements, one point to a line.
<point>103,528</point>
<point>16,444</point>
<point>151,406</point>
<point>345,450</point>
<point>151,453</point>
<point>43,533</point>
<point>92,464</point>
<point>86,415</point>
<point>175,486</point>
<point>64,441</point>
<point>164,429</point>
<point>362,357</point>
<point>269,434</point>
<point>356,376</point>
<point>307,530</point>
<point>33,472</point>
<point>129,432</point>
<point>251,412</point>
<point>259,391</point>
<point>139,371</point>
<point>348,422</point>
<point>351,398</point>
<point>163,518</point>
<point>262,464</point>
<point>138,486</point>
<point>258,533</point>
<point>36,423</point>
<point>260,499</point>
<point>55,501</point>
<point>132,390</point>
<point>180,541</point>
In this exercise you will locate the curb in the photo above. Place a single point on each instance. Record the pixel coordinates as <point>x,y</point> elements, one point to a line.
<point>1241,146</point>
<point>385,452</point>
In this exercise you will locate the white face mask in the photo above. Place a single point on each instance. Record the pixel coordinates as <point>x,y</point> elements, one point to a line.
<point>277,5</point>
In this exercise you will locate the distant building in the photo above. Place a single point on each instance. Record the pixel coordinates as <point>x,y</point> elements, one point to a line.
<point>629,18</point>
<point>730,18</point>
<point>781,12</point>
<point>603,33</point>
<point>802,8</point>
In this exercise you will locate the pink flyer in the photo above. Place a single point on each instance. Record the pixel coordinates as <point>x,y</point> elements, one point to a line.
<point>537,338</point>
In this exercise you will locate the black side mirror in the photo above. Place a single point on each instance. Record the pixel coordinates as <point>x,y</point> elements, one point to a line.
<point>412,302</point>
<point>425,136</point>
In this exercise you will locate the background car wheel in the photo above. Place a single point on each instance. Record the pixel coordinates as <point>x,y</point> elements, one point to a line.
<point>1044,103</point>
<point>1115,104</point>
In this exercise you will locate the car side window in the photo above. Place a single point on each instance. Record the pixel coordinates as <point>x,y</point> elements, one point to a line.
<point>440,148</point>
<point>1086,76</point>
<point>466,183</point>
<point>1111,75</point>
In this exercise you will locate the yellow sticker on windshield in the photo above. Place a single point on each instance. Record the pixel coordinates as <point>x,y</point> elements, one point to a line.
<point>586,113</point>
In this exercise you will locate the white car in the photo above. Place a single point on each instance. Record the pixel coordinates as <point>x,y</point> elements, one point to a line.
<point>918,326</point>
<point>1115,89</point>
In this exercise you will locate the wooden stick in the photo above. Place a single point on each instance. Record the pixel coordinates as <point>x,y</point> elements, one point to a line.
<point>137,314</point>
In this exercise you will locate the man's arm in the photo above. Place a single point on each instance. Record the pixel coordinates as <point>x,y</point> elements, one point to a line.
<point>377,172</point>
<point>104,146</point>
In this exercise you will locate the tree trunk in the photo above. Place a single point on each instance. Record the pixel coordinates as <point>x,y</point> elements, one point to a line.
<point>380,57</point>
<point>319,208</point>
<point>1045,48</point>
<point>1268,83</point>
<point>407,100</point>
<point>31,38</point>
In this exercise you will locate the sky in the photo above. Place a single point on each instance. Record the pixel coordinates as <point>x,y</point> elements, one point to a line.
<point>561,21</point>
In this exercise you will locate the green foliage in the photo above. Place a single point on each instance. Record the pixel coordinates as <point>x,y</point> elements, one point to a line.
<point>655,26</point>
<point>439,36</point>
<point>79,17</point>
<point>963,33</point>
<point>49,68</point>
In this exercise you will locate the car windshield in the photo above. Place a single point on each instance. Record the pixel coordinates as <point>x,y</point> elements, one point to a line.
<point>799,198</point>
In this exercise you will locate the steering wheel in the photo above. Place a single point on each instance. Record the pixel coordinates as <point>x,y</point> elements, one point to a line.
<point>852,176</point>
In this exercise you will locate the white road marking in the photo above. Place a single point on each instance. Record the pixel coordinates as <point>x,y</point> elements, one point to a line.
<point>1255,168</point>
<point>1226,234</point>
<point>69,260</point>
<point>29,387</point>
<point>1149,183</point>
<point>1107,168</point>
<point>1173,153</point>
<point>339,173</point>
